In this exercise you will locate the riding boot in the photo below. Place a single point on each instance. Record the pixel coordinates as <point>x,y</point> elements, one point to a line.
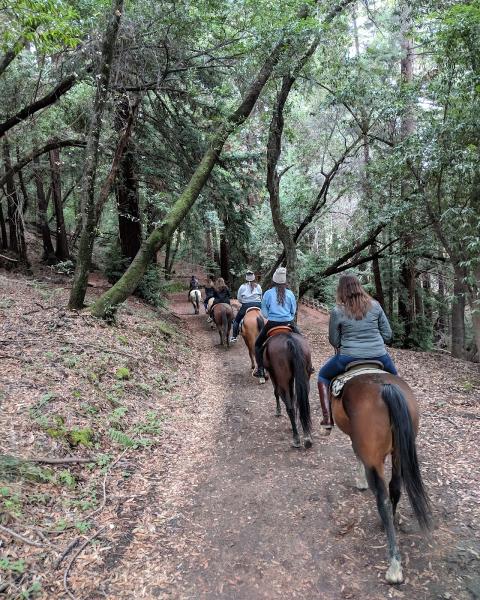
<point>260,372</point>
<point>235,327</point>
<point>327,421</point>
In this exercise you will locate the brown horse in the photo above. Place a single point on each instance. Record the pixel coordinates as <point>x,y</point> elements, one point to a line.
<point>222,316</point>
<point>252,324</point>
<point>380,414</point>
<point>287,358</point>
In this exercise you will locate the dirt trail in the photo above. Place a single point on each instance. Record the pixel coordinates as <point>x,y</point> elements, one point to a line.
<point>263,520</point>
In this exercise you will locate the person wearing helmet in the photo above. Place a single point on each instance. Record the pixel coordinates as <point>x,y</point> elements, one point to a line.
<point>249,295</point>
<point>279,307</point>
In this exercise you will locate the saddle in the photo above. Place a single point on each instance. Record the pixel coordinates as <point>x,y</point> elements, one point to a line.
<point>356,367</point>
<point>278,329</point>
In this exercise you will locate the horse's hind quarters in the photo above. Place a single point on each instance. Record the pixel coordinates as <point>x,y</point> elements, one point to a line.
<point>394,573</point>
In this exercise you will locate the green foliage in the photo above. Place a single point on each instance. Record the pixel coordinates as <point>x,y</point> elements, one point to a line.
<point>15,566</point>
<point>122,373</point>
<point>121,438</point>
<point>64,477</point>
<point>80,437</point>
<point>150,287</point>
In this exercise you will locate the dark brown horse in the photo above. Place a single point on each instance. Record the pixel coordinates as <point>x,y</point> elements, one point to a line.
<point>251,325</point>
<point>222,316</point>
<point>380,414</point>
<point>287,358</point>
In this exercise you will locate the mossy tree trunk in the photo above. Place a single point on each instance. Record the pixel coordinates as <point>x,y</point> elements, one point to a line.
<point>61,251</point>
<point>42,207</point>
<point>108,302</point>
<point>88,208</point>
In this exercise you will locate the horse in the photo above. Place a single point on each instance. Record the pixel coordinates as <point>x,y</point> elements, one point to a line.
<point>287,358</point>
<point>195,298</point>
<point>380,414</point>
<point>222,316</point>
<point>251,326</point>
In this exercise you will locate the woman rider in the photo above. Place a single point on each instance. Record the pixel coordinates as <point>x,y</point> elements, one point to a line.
<point>209,291</point>
<point>278,307</point>
<point>249,295</point>
<point>358,329</point>
<point>221,295</point>
<point>194,285</point>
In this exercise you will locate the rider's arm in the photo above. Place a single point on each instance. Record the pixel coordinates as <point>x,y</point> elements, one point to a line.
<point>384,327</point>
<point>239,294</point>
<point>265,305</point>
<point>334,330</point>
<point>293,306</point>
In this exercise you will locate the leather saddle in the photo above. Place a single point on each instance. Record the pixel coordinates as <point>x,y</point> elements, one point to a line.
<point>279,329</point>
<point>353,369</point>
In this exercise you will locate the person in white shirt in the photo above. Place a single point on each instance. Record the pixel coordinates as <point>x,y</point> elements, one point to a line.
<point>249,295</point>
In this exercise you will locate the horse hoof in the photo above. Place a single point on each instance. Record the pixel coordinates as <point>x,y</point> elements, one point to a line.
<point>325,431</point>
<point>296,443</point>
<point>278,413</point>
<point>261,380</point>
<point>394,573</point>
<point>307,443</point>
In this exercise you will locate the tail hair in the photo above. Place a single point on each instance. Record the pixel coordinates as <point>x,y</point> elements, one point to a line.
<point>406,452</point>
<point>301,382</point>
<point>259,323</point>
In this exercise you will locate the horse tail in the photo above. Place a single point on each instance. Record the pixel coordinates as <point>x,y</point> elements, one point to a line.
<point>406,452</point>
<point>259,323</point>
<point>224,322</point>
<point>301,381</point>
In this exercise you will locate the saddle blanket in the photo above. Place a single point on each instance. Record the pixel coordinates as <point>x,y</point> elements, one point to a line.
<point>337,384</point>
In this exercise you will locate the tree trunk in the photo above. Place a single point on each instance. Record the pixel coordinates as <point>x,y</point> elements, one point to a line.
<point>108,302</point>
<point>42,220</point>
<point>224,258</point>
<point>26,199</point>
<point>427,297</point>
<point>88,209</point>
<point>3,229</point>
<point>406,297</point>
<point>15,214</point>
<point>61,252</point>
<point>129,223</point>
<point>458,314</point>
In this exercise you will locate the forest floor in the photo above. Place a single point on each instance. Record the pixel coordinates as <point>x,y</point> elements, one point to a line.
<point>195,492</point>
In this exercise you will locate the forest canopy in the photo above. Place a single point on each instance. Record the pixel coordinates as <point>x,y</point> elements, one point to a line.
<point>323,136</point>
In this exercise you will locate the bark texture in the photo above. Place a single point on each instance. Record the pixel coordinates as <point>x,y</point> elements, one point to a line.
<point>61,252</point>
<point>88,209</point>
<point>42,207</point>
<point>108,302</point>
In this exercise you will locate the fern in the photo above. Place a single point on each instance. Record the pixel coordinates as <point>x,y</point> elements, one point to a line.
<point>121,438</point>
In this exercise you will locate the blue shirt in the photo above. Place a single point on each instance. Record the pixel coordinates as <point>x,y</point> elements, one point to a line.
<point>273,311</point>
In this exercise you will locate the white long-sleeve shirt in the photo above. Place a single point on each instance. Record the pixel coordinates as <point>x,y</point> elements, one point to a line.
<point>245,294</point>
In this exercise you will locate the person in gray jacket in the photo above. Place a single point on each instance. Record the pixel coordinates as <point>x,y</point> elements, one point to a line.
<point>249,295</point>
<point>358,329</point>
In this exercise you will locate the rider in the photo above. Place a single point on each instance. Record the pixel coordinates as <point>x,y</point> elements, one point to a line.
<point>278,307</point>
<point>194,285</point>
<point>358,329</point>
<point>249,295</point>
<point>221,295</point>
<point>209,291</point>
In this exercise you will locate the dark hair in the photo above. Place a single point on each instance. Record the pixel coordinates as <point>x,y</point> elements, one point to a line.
<point>352,297</point>
<point>281,287</point>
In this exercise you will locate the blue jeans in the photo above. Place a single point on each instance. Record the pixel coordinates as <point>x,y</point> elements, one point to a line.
<point>336,365</point>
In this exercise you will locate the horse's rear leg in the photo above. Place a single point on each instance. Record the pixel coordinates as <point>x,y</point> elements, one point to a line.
<point>286,397</point>
<point>278,412</point>
<point>395,485</point>
<point>394,572</point>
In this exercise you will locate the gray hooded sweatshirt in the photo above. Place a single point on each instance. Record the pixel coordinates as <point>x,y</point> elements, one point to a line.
<point>365,338</point>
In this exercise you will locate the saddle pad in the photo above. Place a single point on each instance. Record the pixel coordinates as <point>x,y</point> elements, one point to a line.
<point>337,384</point>
<point>252,308</point>
<point>278,329</point>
